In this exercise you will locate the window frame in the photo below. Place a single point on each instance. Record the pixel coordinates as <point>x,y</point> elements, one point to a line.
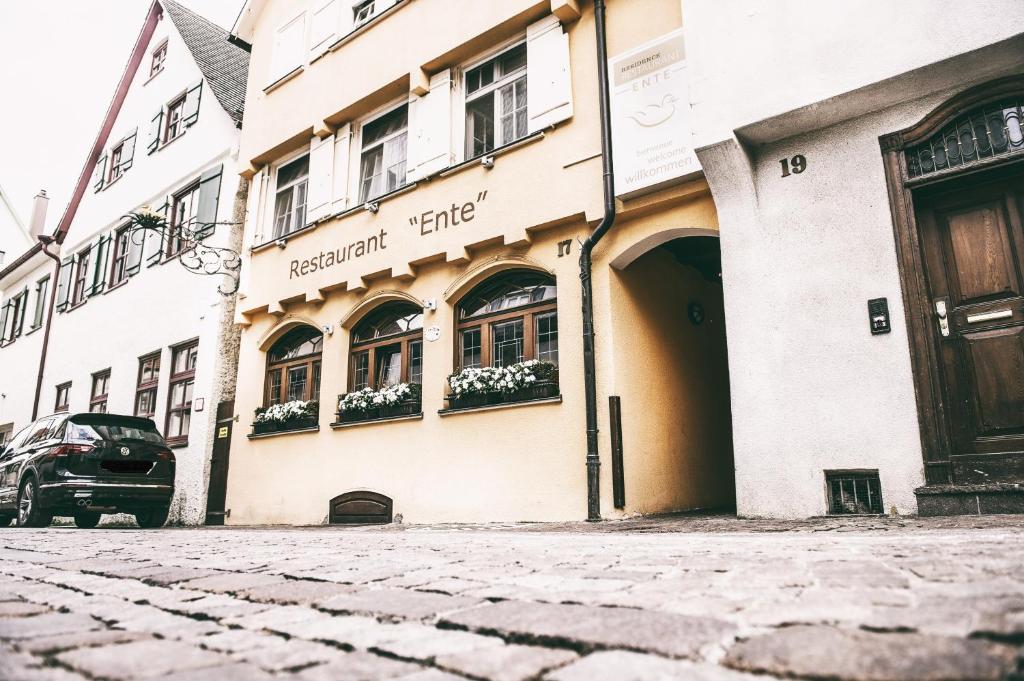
<point>98,401</point>
<point>150,386</point>
<point>119,256</point>
<point>158,57</point>
<point>357,9</point>
<point>363,149</point>
<point>79,284</point>
<point>492,89</point>
<point>42,290</point>
<point>178,125</point>
<point>64,388</point>
<point>404,339</point>
<point>293,187</point>
<point>485,322</point>
<point>186,377</point>
<point>312,362</point>
<point>175,243</point>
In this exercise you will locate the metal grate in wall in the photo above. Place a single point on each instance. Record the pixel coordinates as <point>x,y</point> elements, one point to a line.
<point>854,493</point>
<point>995,129</point>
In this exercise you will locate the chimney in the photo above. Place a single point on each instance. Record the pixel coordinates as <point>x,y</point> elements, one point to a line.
<point>38,222</point>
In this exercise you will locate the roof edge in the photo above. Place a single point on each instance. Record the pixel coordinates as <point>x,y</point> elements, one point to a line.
<point>138,51</point>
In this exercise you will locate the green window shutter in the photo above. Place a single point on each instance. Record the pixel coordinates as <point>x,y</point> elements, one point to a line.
<point>128,150</point>
<point>209,197</point>
<point>155,124</point>
<point>100,251</point>
<point>19,323</point>
<point>99,173</point>
<point>5,316</point>
<point>190,114</point>
<point>64,283</point>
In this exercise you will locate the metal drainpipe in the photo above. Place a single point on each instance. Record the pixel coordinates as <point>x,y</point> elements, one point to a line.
<point>589,367</point>
<point>46,240</point>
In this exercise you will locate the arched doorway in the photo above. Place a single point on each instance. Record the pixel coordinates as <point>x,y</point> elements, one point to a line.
<point>672,372</point>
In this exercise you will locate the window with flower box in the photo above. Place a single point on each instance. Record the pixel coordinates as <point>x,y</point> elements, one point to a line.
<point>507,340</point>
<point>385,364</point>
<point>292,390</point>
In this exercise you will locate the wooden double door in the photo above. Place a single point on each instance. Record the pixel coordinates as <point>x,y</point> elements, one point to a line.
<point>972,253</point>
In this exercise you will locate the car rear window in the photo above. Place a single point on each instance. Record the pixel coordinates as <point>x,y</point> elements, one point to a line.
<point>140,431</point>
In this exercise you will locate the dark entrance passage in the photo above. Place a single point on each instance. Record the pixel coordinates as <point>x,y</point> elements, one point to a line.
<point>672,370</point>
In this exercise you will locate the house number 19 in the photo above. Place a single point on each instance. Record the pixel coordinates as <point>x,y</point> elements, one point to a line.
<point>795,165</point>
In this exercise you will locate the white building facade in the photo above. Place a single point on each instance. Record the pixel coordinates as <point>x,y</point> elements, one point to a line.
<point>824,130</point>
<point>134,330</point>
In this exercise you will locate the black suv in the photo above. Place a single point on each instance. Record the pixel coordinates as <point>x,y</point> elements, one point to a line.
<point>85,465</point>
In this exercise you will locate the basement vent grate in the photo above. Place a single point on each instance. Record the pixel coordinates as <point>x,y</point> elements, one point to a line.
<point>854,493</point>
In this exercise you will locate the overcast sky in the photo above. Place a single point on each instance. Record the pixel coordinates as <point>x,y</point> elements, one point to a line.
<point>60,61</point>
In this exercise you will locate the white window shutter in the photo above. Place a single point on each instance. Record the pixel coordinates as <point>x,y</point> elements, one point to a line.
<point>340,174</point>
<point>324,23</point>
<point>289,48</point>
<point>254,206</point>
<point>430,128</point>
<point>321,171</point>
<point>99,173</point>
<point>549,80</point>
<point>383,5</point>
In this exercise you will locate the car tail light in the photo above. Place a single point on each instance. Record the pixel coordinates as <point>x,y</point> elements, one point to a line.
<point>69,450</point>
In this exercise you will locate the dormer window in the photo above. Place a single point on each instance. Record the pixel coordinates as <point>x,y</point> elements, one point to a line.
<point>159,57</point>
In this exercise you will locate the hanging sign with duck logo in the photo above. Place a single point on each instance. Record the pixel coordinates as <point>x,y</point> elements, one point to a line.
<point>651,141</point>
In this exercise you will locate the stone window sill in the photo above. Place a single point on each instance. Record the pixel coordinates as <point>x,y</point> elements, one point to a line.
<point>557,399</point>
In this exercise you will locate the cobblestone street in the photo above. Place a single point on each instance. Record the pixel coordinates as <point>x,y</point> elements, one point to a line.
<point>702,599</point>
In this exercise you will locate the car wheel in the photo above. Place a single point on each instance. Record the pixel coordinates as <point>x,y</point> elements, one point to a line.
<point>30,513</point>
<point>87,521</point>
<point>153,517</point>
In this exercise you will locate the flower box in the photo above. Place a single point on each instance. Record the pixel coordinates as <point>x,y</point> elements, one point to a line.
<point>284,427</point>
<point>538,391</point>
<point>281,418</point>
<point>407,408</point>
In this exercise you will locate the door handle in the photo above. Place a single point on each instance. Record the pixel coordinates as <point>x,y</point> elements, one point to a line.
<point>940,310</point>
<point>989,316</point>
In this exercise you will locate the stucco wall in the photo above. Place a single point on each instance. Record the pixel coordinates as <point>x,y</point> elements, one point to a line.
<point>812,389</point>
<point>19,361</point>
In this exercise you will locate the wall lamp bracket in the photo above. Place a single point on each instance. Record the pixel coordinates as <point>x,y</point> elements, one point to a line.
<point>487,162</point>
<point>372,206</point>
<point>430,304</point>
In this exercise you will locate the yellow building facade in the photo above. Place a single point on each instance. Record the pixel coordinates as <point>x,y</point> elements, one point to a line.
<point>422,175</point>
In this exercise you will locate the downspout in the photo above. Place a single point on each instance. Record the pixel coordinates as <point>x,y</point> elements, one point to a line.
<point>46,240</point>
<point>586,249</point>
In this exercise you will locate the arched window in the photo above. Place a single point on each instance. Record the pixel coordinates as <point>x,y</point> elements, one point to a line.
<point>509,318</point>
<point>387,347</point>
<point>293,366</point>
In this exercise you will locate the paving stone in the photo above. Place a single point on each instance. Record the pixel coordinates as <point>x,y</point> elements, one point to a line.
<point>141,659</point>
<point>288,655</point>
<point>397,603</point>
<point>230,672</point>
<point>506,663</point>
<point>45,625</point>
<point>239,640</point>
<point>295,592</point>
<point>360,666</point>
<point>218,606</point>
<point>164,575</point>
<point>593,628</point>
<point>860,573</point>
<point>841,654</point>
<point>620,665</point>
<point>431,675</point>
<point>231,582</point>
<point>275,617</point>
<point>20,609</point>
<point>85,639</point>
<point>424,643</point>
